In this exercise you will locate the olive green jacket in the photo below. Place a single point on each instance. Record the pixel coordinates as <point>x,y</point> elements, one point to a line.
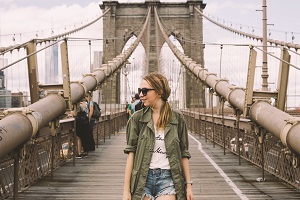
<point>140,140</point>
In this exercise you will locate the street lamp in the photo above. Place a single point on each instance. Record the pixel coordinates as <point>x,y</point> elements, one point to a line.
<point>126,72</point>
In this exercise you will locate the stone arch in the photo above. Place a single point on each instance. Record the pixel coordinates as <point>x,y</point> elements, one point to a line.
<point>135,69</point>
<point>125,19</point>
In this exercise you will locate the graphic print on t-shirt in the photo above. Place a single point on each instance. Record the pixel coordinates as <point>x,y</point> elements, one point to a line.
<point>159,148</point>
<point>159,156</point>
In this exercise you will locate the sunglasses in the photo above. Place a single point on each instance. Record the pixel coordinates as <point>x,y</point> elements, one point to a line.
<point>144,91</point>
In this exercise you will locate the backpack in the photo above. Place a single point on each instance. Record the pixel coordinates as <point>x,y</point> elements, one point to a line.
<point>97,111</point>
<point>82,116</point>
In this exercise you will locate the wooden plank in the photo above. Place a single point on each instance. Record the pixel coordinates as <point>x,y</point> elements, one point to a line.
<point>100,176</point>
<point>210,185</point>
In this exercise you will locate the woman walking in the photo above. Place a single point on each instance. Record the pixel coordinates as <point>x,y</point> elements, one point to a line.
<point>157,166</point>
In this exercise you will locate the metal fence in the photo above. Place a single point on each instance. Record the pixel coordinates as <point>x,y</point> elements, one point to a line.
<point>266,151</point>
<point>45,152</point>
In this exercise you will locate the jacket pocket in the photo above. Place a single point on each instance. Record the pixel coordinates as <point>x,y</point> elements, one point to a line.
<point>133,180</point>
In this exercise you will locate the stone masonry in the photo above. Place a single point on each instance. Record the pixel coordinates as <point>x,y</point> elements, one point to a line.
<point>181,20</point>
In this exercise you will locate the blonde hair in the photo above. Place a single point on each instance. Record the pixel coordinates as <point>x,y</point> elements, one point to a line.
<point>161,87</point>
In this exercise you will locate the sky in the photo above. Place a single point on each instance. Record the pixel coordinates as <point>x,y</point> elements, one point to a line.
<point>20,19</point>
<point>19,16</point>
<point>280,13</point>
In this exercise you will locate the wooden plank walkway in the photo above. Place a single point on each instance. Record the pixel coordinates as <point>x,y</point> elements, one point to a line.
<point>100,176</point>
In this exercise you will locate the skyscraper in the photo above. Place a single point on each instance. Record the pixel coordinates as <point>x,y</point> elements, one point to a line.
<point>51,65</point>
<point>5,95</point>
<point>97,60</point>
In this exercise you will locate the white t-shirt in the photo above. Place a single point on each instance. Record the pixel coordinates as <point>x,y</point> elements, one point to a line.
<point>159,157</point>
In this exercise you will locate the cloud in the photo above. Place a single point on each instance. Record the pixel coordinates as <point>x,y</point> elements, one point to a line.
<point>23,23</point>
<point>41,17</point>
<point>230,9</point>
<point>19,24</point>
<point>4,3</point>
<point>238,6</point>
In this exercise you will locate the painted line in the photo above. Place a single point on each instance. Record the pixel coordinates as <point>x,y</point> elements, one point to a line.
<point>221,172</point>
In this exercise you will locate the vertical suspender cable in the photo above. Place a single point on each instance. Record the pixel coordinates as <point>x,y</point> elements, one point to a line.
<point>221,47</point>
<point>90,51</point>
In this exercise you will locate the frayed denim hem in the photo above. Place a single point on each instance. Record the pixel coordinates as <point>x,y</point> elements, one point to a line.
<point>147,195</point>
<point>169,193</point>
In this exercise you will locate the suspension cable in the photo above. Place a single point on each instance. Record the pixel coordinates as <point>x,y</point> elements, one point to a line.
<point>281,43</point>
<point>55,37</point>
<point>270,54</point>
<point>30,55</point>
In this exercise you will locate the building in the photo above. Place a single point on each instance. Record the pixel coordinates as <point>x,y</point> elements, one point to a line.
<point>97,60</point>
<point>5,95</point>
<point>51,65</point>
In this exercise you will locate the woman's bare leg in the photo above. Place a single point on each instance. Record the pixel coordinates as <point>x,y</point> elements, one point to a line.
<point>166,197</point>
<point>79,146</point>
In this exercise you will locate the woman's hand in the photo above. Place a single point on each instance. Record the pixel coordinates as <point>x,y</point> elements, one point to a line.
<point>189,192</point>
<point>126,195</point>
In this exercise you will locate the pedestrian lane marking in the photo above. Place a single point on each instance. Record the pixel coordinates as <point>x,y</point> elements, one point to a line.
<point>221,172</point>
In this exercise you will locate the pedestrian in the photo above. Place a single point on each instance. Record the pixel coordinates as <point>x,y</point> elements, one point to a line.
<point>126,105</point>
<point>130,111</point>
<point>81,122</point>
<point>85,140</point>
<point>84,127</point>
<point>136,102</point>
<point>157,146</point>
<point>126,108</point>
<point>90,105</point>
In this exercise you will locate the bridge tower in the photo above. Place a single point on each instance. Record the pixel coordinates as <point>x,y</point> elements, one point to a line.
<point>125,19</point>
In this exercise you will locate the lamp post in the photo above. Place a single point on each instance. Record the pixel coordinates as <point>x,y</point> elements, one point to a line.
<point>265,74</point>
<point>126,72</point>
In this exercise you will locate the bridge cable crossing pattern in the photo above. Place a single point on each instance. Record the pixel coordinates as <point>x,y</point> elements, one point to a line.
<point>236,96</point>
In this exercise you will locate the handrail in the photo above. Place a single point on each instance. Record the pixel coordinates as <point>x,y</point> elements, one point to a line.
<point>19,127</point>
<point>277,122</point>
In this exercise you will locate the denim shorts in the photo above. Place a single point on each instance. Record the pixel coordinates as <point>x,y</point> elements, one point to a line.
<point>159,182</point>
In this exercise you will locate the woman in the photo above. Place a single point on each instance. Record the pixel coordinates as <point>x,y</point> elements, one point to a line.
<point>157,147</point>
<point>81,122</point>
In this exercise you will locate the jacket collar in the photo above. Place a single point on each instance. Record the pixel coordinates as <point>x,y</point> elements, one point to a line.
<point>147,118</point>
<point>146,115</point>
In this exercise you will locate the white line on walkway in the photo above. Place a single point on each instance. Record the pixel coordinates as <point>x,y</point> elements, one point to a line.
<point>221,172</point>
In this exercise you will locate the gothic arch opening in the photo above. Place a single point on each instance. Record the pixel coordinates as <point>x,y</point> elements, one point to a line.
<point>133,72</point>
<point>171,67</point>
